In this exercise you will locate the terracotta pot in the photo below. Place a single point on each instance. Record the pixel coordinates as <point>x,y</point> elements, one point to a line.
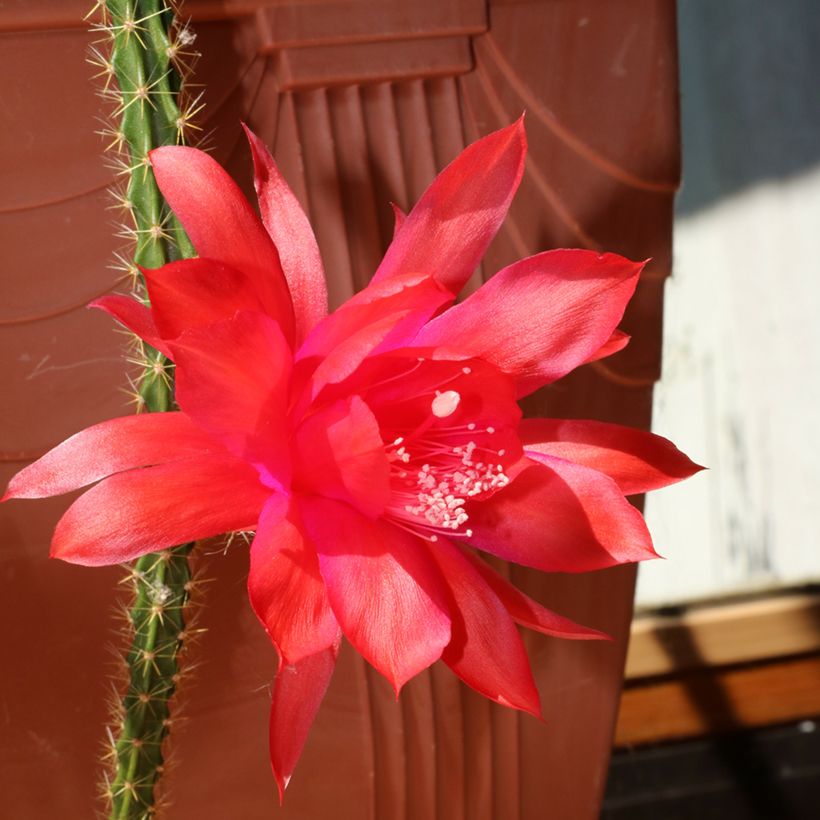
<point>362,102</point>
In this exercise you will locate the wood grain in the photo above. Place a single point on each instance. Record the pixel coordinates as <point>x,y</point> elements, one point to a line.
<point>771,627</point>
<point>709,701</point>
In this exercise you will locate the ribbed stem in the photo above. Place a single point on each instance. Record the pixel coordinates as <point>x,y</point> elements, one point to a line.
<point>144,49</point>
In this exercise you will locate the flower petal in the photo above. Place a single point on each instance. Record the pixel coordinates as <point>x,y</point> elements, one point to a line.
<point>560,517</point>
<point>111,447</point>
<point>380,317</point>
<point>298,692</point>
<point>399,217</point>
<point>402,385</point>
<point>222,224</point>
<point>339,454</point>
<point>527,612</point>
<point>285,587</point>
<point>451,226</point>
<point>385,591</point>
<point>636,460</point>
<point>402,388</point>
<point>232,380</point>
<point>130,514</point>
<point>540,317</point>
<point>616,342</point>
<point>191,293</point>
<point>135,316</point>
<point>293,237</point>
<point>486,651</point>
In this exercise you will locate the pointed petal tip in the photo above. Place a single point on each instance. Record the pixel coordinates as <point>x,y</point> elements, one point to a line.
<point>256,145</point>
<point>254,142</point>
<point>101,303</point>
<point>397,685</point>
<point>647,551</point>
<point>533,709</point>
<point>639,265</point>
<point>519,126</point>
<point>282,782</point>
<point>632,267</point>
<point>397,682</point>
<point>62,552</point>
<point>584,633</point>
<point>530,707</point>
<point>687,469</point>
<point>55,551</point>
<point>520,132</point>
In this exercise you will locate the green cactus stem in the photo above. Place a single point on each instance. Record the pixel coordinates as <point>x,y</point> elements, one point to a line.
<point>140,57</point>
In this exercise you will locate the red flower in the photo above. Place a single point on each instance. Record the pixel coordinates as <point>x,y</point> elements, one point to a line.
<point>373,449</point>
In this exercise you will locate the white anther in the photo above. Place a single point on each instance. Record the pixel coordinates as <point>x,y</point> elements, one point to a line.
<point>445,404</point>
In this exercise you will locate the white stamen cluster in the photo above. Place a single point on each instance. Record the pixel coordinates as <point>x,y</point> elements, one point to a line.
<point>441,488</point>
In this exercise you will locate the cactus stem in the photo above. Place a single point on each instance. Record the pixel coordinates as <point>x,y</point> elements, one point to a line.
<point>146,57</point>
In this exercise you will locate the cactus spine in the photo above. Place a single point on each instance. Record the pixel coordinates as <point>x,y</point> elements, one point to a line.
<point>141,58</point>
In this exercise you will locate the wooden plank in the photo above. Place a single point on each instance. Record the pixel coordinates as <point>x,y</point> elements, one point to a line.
<point>707,701</point>
<point>724,634</point>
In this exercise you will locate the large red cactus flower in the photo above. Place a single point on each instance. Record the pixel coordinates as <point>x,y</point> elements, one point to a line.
<point>377,450</point>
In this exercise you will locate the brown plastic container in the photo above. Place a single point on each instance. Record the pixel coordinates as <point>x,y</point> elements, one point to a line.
<point>361,101</point>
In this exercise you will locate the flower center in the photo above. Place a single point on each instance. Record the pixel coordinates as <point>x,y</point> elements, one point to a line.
<point>435,470</point>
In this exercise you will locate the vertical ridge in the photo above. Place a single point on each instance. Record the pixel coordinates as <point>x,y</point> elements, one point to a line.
<point>288,150</point>
<point>385,151</point>
<point>418,158</point>
<point>504,725</point>
<point>478,758</point>
<point>324,195</point>
<point>389,782</point>
<point>356,184</point>
<point>448,724</point>
<point>471,134</point>
<point>420,747</point>
<point>442,109</point>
